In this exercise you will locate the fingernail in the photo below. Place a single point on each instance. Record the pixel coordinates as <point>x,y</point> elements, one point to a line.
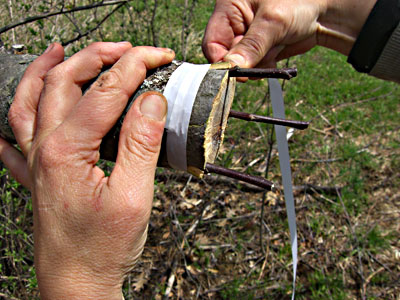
<point>49,48</point>
<point>124,42</point>
<point>154,107</point>
<point>236,59</point>
<point>167,50</point>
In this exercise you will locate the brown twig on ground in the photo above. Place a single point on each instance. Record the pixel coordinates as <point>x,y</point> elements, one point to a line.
<point>312,189</point>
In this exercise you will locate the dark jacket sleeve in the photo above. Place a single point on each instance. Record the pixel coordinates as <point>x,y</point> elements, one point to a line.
<point>377,48</point>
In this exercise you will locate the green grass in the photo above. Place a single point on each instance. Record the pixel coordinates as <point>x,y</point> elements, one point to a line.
<point>326,286</point>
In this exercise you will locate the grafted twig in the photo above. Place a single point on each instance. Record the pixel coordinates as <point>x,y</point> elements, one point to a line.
<point>286,73</point>
<point>256,180</point>
<point>269,120</point>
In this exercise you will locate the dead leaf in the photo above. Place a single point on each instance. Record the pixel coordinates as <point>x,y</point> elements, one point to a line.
<point>222,223</point>
<point>192,270</point>
<point>214,271</point>
<point>139,282</point>
<point>202,239</point>
<point>230,213</point>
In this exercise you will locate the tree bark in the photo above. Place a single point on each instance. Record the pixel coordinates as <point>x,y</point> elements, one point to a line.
<point>207,122</point>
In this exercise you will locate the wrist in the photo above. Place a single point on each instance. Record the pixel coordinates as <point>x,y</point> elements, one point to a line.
<point>341,22</point>
<point>76,283</point>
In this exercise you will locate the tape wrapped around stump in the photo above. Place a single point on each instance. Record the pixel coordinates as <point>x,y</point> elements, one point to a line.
<point>208,119</point>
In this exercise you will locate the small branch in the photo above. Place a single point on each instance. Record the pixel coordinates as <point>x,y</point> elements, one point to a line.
<point>152,24</point>
<point>94,28</point>
<point>72,20</point>
<point>183,39</point>
<point>60,12</point>
<point>270,144</point>
<point>312,189</point>
<point>186,21</point>
<point>286,73</point>
<point>269,120</point>
<point>171,281</point>
<point>10,10</point>
<point>255,180</point>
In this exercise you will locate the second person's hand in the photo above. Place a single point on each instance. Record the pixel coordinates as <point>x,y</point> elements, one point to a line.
<point>252,33</point>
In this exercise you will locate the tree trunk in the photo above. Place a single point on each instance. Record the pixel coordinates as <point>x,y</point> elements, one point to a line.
<point>207,122</point>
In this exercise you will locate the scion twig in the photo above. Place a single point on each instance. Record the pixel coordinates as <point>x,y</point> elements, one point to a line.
<point>255,180</point>
<point>286,73</point>
<point>269,120</point>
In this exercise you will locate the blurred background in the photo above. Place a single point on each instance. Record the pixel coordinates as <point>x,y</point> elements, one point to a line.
<point>215,238</point>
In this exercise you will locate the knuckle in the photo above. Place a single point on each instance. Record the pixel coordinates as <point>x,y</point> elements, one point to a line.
<point>96,46</point>
<point>14,116</point>
<point>48,154</point>
<point>109,80</point>
<point>143,58</point>
<point>278,16</point>
<point>136,211</point>
<point>143,145</point>
<point>276,13</point>
<point>18,116</point>
<point>254,43</point>
<point>139,50</point>
<point>55,75</point>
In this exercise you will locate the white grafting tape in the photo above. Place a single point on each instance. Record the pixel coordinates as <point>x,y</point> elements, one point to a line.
<point>181,91</point>
<point>284,161</point>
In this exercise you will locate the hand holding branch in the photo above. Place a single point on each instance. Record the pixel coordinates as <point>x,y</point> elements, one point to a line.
<point>89,229</point>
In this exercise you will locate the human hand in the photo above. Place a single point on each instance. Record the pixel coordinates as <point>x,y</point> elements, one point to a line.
<point>258,33</point>
<point>89,229</point>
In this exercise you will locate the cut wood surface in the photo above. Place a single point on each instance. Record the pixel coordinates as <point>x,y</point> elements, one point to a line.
<point>207,122</point>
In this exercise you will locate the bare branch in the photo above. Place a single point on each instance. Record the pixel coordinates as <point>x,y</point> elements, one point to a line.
<point>60,12</point>
<point>10,10</point>
<point>152,24</point>
<point>94,28</point>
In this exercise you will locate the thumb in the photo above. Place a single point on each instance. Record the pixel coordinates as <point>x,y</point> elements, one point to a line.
<point>139,146</point>
<point>254,45</point>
